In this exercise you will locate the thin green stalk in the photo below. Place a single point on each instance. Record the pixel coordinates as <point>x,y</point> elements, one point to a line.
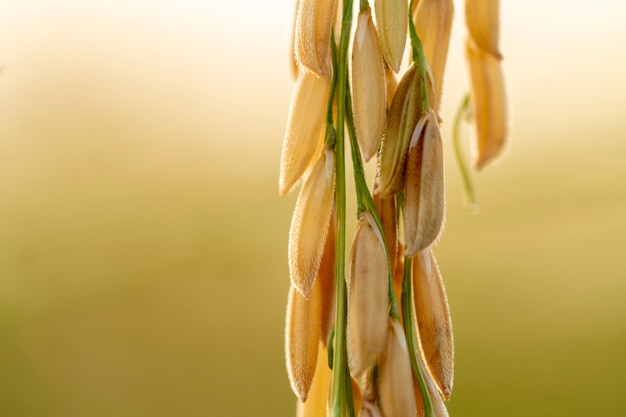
<point>419,59</point>
<point>341,377</point>
<point>458,153</point>
<point>331,136</point>
<point>365,202</point>
<point>409,326</point>
<point>364,5</point>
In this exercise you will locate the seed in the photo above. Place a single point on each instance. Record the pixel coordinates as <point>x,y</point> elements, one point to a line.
<point>369,86</point>
<point>481,18</point>
<point>433,320</point>
<point>395,379</point>
<point>405,111</point>
<point>302,339</point>
<point>313,27</point>
<point>391,23</point>
<point>425,191</point>
<point>488,100</point>
<point>326,276</point>
<point>433,23</point>
<point>305,131</point>
<point>368,297</point>
<point>309,224</point>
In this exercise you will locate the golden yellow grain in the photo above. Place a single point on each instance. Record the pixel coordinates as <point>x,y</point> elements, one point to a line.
<point>302,339</point>
<point>405,111</point>
<point>369,98</point>
<point>313,27</point>
<point>391,24</point>
<point>368,297</point>
<point>309,224</point>
<point>433,23</point>
<point>433,320</point>
<point>305,130</point>
<point>424,188</point>
<point>488,100</point>
<point>481,18</point>
<point>395,378</point>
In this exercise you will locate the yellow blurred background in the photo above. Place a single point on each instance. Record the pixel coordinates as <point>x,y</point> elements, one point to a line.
<point>143,246</point>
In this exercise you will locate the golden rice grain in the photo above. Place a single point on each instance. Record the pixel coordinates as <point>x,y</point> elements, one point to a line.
<point>433,23</point>
<point>309,224</point>
<point>391,24</point>
<point>481,18</point>
<point>433,320</point>
<point>488,101</point>
<point>405,111</point>
<point>302,339</point>
<point>313,27</point>
<point>368,297</point>
<point>305,131</point>
<point>369,98</point>
<point>395,379</point>
<point>425,191</point>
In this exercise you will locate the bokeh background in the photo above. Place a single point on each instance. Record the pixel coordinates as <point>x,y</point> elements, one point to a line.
<point>143,245</point>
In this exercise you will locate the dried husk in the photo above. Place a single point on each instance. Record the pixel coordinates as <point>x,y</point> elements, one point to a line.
<point>309,224</point>
<point>425,191</point>
<point>402,118</point>
<point>313,27</point>
<point>489,106</point>
<point>306,127</point>
<point>433,320</point>
<point>395,378</point>
<point>326,277</point>
<point>391,24</point>
<point>481,18</point>
<point>369,98</point>
<point>302,339</point>
<point>368,297</point>
<point>315,405</point>
<point>386,208</point>
<point>433,23</point>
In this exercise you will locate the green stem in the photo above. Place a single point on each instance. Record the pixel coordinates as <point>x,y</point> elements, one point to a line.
<point>341,375</point>
<point>331,136</point>
<point>409,326</point>
<point>365,202</point>
<point>419,59</point>
<point>458,153</point>
<point>364,5</point>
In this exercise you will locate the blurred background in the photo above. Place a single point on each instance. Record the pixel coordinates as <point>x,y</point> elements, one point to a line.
<point>143,245</point>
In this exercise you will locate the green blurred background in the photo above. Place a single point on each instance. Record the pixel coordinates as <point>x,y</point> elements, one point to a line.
<point>143,246</point>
